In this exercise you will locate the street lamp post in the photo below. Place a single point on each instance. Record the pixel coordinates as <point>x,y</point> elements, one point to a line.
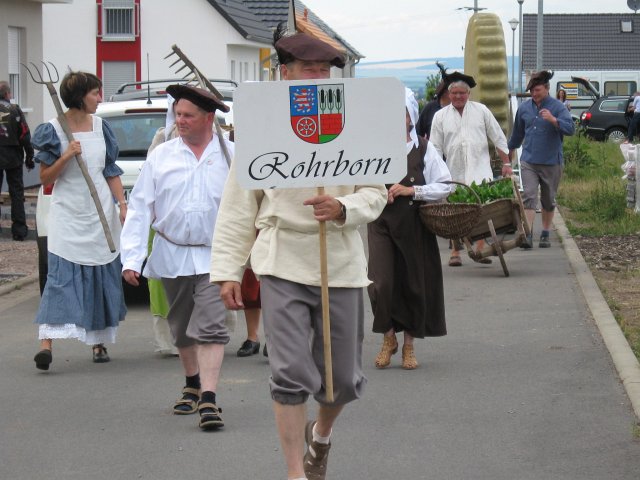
<point>514,24</point>
<point>520,2</point>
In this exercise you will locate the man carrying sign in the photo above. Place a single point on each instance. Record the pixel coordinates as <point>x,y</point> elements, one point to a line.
<point>284,256</point>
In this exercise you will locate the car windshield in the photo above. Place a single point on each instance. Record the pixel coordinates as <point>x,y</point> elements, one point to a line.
<point>135,132</point>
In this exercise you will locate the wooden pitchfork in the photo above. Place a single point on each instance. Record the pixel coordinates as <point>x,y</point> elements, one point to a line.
<point>37,78</point>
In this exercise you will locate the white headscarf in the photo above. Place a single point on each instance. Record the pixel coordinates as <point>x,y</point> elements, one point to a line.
<point>171,117</point>
<point>412,108</point>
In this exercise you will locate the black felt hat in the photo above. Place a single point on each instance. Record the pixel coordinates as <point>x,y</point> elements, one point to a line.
<point>539,78</point>
<point>301,46</point>
<point>198,96</point>
<point>449,78</point>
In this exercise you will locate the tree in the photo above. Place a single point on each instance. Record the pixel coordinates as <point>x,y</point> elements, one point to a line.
<point>431,85</point>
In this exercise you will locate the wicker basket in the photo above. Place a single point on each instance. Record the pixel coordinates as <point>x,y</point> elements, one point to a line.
<point>451,220</point>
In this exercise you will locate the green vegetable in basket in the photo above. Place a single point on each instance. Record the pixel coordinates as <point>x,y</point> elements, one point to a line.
<point>486,191</point>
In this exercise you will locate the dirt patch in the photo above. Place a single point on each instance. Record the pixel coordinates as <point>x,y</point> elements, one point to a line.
<point>614,262</point>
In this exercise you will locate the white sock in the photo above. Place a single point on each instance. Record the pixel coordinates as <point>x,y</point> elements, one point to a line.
<point>300,478</point>
<point>317,438</point>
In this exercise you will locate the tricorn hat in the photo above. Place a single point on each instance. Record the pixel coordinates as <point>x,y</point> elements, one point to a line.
<point>198,96</point>
<point>539,78</point>
<point>449,78</point>
<point>301,46</point>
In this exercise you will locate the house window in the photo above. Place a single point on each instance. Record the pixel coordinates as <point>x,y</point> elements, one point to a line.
<point>14,63</point>
<point>115,74</point>
<point>626,26</point>
<point>118,20</point>
<point>233,69</point>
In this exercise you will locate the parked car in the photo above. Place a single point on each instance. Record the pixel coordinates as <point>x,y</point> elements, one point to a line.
<point>608,117</point>
<point>134,123</point>
<point>151,89</point>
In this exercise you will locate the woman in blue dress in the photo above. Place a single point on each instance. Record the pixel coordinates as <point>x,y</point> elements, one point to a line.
<point>83,296</point>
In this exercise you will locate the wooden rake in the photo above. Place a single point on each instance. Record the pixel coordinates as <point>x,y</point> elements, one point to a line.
<point>37,77</point>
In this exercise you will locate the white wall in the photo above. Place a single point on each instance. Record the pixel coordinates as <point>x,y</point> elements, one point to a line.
<point>244,58</point>
<point>197,29</point>
<point>28,17</point>
<point>69,32</point>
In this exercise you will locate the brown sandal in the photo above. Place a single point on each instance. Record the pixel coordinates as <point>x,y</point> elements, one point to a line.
<point>210,418</point>
<point>409,361</point>
<point>389,347</point>
<point>188,404</point>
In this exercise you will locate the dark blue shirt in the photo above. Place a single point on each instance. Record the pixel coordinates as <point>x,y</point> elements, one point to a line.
<point>542,139</point>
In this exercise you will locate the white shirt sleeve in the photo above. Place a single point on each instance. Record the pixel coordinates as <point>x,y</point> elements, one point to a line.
<point>135,231</point>
<point>435,172</point>
<point>436,137</point>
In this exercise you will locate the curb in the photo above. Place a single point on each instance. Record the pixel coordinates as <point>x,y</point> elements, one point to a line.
<point>623,357</point>
<point>18,284</point>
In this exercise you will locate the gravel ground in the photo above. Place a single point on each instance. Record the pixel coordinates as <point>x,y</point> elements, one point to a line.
<point>17,259</point>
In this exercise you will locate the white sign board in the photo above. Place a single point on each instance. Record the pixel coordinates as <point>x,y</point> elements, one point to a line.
<point>312,133</point>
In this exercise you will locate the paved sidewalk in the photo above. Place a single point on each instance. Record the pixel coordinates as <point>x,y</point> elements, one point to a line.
<point>523,387</point>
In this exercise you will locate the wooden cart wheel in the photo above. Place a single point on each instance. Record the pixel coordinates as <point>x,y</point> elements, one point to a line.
<point>498,248</point>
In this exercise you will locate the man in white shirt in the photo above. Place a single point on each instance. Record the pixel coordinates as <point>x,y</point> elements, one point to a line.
<point>177,194</point>
<point>459,132</point>
<point>283,256</point>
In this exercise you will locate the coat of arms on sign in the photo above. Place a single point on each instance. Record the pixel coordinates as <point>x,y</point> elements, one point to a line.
<point>317,111</point>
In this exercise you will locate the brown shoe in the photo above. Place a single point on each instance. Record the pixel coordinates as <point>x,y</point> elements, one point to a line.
<point>409,361</point>
<point>389,347</point>
<point>316,456</point>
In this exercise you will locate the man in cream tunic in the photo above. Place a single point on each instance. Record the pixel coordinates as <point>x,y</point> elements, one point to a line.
<point>459,132</point>
<point>285,256</point>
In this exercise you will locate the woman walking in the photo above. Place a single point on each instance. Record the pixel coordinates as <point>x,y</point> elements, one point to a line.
<point>83,295</point>
<point>404,260</point>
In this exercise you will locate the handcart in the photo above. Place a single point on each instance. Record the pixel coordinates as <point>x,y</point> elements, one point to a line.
<point>467,223</point>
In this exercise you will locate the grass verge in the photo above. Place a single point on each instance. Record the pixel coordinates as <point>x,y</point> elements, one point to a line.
<point>592,199</point>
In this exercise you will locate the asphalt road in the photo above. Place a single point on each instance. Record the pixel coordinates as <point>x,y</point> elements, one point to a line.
<point>521,388</point>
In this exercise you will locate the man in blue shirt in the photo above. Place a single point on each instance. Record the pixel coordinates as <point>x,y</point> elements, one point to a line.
<point>541,123</point>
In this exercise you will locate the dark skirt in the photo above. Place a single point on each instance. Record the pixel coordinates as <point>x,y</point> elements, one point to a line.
<point>407,293</point>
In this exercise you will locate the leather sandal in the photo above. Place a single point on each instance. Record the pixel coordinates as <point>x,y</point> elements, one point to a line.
<point>455,261</point>
<point>188,404</point>
<point>389,347</point>
<point>409,361</point>
<point>210,418</point>
<point>316,457</point>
